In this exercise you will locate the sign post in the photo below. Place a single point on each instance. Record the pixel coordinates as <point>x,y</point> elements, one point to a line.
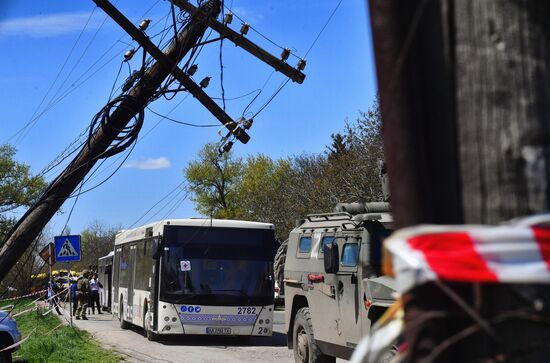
<point>67,249</point>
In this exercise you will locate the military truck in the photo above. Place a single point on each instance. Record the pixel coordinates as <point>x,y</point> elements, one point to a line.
<point>334,291</point>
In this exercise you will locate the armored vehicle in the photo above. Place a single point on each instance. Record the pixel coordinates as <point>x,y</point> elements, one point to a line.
<point>334,290</point>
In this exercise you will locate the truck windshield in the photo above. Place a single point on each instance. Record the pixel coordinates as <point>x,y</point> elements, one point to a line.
<point>217,266</point>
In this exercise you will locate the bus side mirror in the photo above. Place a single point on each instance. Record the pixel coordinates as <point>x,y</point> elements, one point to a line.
<point>330,251</point>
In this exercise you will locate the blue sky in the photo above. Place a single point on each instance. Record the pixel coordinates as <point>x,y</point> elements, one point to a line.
<point>36,38</point>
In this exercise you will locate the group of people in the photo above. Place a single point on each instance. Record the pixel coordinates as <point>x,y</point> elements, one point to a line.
<point>85,294</point>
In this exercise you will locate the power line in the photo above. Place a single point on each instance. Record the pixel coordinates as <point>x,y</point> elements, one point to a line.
<point>54,101</point>
<point>32,119</point>
<point>157,203</point>
<point>323,28</point>
<point>180,122</point>
<point>176,205</point>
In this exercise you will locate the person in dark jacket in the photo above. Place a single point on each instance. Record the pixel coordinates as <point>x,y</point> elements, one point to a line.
<point>73,296</point>
<point>82,295</point>
<point>53,299</point>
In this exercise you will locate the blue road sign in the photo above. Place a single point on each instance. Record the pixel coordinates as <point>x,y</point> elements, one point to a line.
<point>67,248</point>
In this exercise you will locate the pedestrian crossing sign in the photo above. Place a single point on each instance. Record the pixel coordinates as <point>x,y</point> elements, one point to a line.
<point>67,248</point>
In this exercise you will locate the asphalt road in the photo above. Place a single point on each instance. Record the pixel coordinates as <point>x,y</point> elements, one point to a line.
<point>136,348</point>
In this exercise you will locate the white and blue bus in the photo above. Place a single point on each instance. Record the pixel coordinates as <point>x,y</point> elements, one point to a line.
<point>195,276</point>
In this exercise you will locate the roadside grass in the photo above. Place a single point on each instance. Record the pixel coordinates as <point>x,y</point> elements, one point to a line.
<point>50,342</point>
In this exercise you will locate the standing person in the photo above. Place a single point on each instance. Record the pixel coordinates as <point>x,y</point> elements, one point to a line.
<point>53,290</point>
<point>73,297</point>
<point>82,295</point>
<point>94,289</point>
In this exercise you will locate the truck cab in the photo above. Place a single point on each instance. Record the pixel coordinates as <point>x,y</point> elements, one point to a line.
<point>334,291</point>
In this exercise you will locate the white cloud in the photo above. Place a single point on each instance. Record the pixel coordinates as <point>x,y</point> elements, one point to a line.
<point>50,25</point>
<point>148,164</point>
<point>247,15</point>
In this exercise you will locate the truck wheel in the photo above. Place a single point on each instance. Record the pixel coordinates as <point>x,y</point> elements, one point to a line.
<point>123,323</point>
<point>305,348</point>
<point>279,265</point>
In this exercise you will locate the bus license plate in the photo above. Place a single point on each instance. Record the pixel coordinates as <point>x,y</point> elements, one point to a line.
<point>220,331</point>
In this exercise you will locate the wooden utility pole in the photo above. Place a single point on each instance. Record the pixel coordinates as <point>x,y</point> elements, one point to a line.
<point>34,220</point>
<point>140,95</point>
<point>464,99</point>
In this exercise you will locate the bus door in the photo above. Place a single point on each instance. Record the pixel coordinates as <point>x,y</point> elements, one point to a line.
<point>116,274</point>
<point>131,272</point>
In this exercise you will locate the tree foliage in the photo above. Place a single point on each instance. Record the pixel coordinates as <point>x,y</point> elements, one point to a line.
<point>17,186</point>
<point>282,191</point>
<point>96,241</point>
<point>213,179</point>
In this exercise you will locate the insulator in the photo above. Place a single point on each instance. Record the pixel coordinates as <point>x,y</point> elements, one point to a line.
<point>245,28</point>
<point>227,147</point>
<point>144,24</point>
<point>248,124</point>
<point>192,70</point>
<point>301,64</point>
<point>285,54</point>
<point>228,18</point>
<point>129,54</point>
<point>205,82</point>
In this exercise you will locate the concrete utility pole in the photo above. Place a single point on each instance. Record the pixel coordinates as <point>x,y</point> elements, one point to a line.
<point>34,220</point>
<point>464,93</point>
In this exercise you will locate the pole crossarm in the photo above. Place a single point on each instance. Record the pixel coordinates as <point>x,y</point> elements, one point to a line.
<point>246,44</point>
<point>173,68</point>
<point>33,221</point>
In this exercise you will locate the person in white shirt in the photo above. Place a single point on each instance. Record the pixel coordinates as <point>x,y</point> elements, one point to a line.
<point>94,298</point>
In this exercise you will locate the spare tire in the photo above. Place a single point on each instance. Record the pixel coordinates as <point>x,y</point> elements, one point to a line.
<point>279,266</point>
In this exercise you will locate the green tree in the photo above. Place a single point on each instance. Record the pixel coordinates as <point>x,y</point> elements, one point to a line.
<point>282,191</point>
<point>97,240</point>
<point>17,186</point>
<point>213,180</point>
<point>262,192</point>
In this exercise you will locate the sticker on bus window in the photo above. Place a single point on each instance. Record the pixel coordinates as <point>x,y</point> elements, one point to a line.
<point>185,265</point>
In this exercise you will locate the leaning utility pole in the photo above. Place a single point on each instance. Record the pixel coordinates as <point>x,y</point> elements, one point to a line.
<point>464,99</point>
<point>131,105</point>
<point>61,188</point>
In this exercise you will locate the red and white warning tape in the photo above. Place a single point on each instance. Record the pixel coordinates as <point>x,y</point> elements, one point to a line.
<point>23,296</point>
<point>515,253</point>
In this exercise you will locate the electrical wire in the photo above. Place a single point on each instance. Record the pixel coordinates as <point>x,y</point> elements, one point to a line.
<point>261,34</point>
<point>32,119</point>
<point>176,205</point>
<point>53,101</point>
<point>281,86</point>
<point>166,205</point>
<point>157,203</point>
<point>323,28</point>
<point>181,122</point>
<point>259,93</point>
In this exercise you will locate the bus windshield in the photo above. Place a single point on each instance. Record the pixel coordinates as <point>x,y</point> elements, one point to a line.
<point>217,266</point>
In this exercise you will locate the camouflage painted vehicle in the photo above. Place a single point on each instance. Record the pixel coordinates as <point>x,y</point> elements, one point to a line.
<point>333,288</point>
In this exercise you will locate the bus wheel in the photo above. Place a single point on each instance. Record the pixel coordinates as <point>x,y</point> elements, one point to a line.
<point>147,331</point>
<point>123,323</point>
<point>305,348</point>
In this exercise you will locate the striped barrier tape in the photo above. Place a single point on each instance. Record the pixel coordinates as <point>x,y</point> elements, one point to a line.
<point>23,296</point>
<point>518,252</point>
